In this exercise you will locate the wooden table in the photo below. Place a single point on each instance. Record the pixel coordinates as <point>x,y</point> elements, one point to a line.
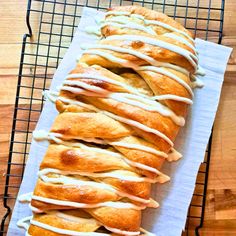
<point>220,214</point>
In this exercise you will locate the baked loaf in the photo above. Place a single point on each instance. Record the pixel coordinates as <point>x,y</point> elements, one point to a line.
<point>120,111</point>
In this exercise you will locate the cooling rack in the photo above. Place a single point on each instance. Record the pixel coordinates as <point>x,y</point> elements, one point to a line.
<point>51,26</point>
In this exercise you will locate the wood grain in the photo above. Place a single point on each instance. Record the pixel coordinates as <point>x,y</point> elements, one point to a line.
<point>220,214</point>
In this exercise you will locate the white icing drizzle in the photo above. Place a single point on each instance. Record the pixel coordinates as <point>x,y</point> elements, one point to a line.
<point>174,155</point>
<point>139,126</point>
<point>169,27</point>
<point>110,174</point>
<point>150,22</point>
<point>131,99</point>
<point>53,96</point>
<point>105,79</point>
<point>160,43</point>
<point>117,204</point>
<point>200,71</point>
<point>178,120</point>
<point>137,16</point>
<point>75,102</point>
<point>63,179</point>
<point>122,23</point>
<point>139,147</point>
<point>91,50</point>
<point>148,104</point>
<point>78,91</point>
<point>93,30</point>
<point>24,222</point>
<point>146,232</point>
<point>34,209</point>
<point>161,178</point>
<point>180,39</point>
<point>169,74</point>
<point>173,97</point>
<point>197,83</point>
<point>85,86</point>
<point>123,62</point>
<point>26,197</point>
<point>65,231</point>
<point>123,232</point>
<point>72,217</point>
<point>40,135</point>
<point>130,25</point>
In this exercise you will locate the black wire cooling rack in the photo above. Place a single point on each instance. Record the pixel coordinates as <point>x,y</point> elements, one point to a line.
<point>54,23</point>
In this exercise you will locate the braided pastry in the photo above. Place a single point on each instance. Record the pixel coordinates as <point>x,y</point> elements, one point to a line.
<point>120,111</point>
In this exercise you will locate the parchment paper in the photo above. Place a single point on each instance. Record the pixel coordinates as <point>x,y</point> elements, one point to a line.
<point>174,197</point>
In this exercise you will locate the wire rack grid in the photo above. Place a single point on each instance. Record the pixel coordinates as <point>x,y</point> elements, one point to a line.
<point>54,23</point>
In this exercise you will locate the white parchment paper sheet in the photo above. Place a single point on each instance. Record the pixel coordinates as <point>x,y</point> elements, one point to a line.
<point>174,197</point>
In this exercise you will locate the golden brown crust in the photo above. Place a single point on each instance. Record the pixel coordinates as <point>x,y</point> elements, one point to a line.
<point>132,154</point>
<point>161,85</point>
<point>76,159</point>
<point>111,217</point>
<point>149,118</point>
<point>74,193</point>
<point>89,125</point>
<point>85,223</point>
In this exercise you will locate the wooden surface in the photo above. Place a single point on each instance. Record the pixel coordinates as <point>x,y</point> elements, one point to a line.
<point>220,214</point>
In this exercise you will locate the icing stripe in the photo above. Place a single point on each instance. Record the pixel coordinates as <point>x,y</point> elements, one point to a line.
<point>149,105</point>
<point>25,222</point>
<point>22,223</point>
<point>123,232</point>
<point>173,97</point>
<point>169,74</point>
<point>139,126</point>
<point>150,22</point>
<point>106,79</point>
<point>180,39</point>
<point>85,86</point>
<point>65,231</point>
<point>143,103</point>
<point>91,50</point>
<point>169,27</point>
<point>165,111</point>
<point>174,155</point>
<point>128,88</point>
<point>159,43</point>
<point>139,147</point>
<point>117,204</point>
<point>122,23</point>
<point>130,25</point>
<point>109,174</point>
